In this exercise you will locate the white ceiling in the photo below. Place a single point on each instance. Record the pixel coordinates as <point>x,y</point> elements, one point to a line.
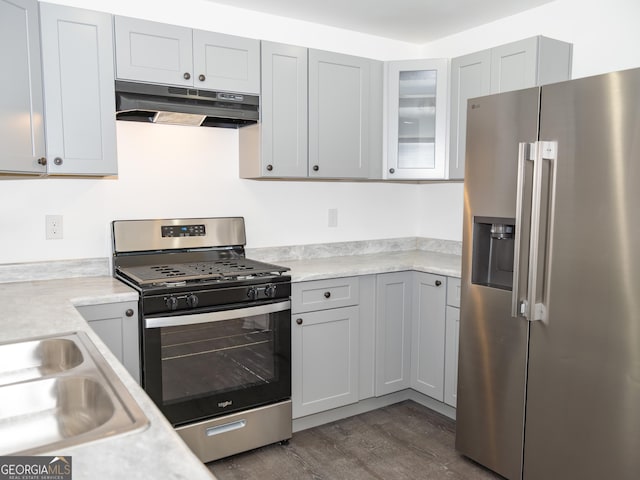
<point>413,21</point>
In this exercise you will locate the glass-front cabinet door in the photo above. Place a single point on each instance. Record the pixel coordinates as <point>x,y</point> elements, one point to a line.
<point>417,119</point>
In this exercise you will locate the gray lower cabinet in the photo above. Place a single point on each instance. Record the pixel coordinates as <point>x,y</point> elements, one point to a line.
<point>277,146</point>
<point>451,342</point>
<point>373,335</point>
<point>168,54</point>
<point>117,326</point>
<point>325,345</point>
<point>21,103</point>
<point>340,97</point>
<point>77,63</point>
<point>428,334</point>
<point>526,63</point>
<point>393,332</point>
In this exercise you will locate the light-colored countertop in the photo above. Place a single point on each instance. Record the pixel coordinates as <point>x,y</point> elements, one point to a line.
<point>352,265</point>
<point>32,309</point>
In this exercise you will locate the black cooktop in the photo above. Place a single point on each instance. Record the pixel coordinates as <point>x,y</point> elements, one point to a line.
<point>230,268</point>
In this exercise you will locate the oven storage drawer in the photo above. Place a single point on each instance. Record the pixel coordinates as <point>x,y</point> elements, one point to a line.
<point>324,294</point>
<point>238,432</point>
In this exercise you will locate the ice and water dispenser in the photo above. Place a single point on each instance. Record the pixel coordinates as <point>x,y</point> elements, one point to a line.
<point>493,243</point>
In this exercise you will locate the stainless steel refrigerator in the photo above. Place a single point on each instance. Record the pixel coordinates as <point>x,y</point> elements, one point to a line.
<point>549,367</point>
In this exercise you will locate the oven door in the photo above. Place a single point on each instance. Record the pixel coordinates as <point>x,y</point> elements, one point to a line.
<point>198,366</point>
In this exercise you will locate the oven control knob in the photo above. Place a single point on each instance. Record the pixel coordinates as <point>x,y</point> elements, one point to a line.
<point>270,291</point>
<point>252,293</point>
<point>192,301</point>
<point>171,302</point>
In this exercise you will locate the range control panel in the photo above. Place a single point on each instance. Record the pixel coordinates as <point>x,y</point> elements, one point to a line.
<point>183,231</point>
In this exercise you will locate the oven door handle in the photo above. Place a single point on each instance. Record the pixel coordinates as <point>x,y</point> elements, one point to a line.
<point>192,319</point>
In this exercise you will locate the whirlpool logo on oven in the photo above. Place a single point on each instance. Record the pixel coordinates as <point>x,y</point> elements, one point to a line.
<point>225,404</point>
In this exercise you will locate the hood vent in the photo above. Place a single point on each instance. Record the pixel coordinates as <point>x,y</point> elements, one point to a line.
<point>141,102</point>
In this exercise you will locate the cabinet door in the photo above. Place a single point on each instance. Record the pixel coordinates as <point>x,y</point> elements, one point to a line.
<point>324,360</point>
<point>284,110</point>
<point>117,326</point>
<point>226,62</point>
<point>470,77</point>
<point>417,113</point>
<point>393,332</point>
<point>451,356</point>
<point>153,52</point>
<point>514,66</point>
<point>428,335</point>
<point>338,115</point>
<point>77,59</point>
<point>21,107</point>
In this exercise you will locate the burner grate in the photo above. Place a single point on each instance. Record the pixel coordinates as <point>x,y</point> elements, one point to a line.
<point>218,269</point>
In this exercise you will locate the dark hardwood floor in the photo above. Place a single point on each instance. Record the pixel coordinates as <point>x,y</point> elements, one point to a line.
<point>401,441</point>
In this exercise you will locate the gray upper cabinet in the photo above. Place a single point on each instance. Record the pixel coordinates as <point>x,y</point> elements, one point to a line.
<point>77,62</point>
<point>417,119</point>
<point>339,99</point>
<point>470,77</point>
<point>153,52</point>
<point>321,116</point>
<point>21,104</point>
<point>529,62</point>
<point>522,64</point>
<point>226,62</point>
<point>277,146</point>
<point>160,53</point>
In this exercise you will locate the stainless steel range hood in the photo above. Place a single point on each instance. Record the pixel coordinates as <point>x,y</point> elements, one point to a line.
<point>142,102</point>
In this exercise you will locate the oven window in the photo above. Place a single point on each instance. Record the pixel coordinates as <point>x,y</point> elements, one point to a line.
<point>204,359</point>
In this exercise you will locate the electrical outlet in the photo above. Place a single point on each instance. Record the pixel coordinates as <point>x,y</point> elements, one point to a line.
<point>333,217</point>
<point>53,226</point>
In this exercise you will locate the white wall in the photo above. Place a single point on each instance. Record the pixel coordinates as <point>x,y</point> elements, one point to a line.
<point>605,37</point>
<point>169,171</point>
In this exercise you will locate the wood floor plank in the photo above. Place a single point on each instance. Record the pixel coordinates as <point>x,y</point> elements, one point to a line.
<point>405,441</point>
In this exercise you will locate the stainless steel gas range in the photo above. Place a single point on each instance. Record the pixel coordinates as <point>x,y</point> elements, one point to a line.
<point>215,331</point>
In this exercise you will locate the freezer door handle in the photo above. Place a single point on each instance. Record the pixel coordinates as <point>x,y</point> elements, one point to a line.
<point>541,151</point>
<point>519,308</point>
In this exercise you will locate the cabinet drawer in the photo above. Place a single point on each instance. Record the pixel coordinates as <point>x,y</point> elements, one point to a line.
<point>453,292</point>
<point>324,294</point>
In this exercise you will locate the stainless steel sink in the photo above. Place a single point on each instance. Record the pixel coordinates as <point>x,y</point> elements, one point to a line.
<point>58,392</point>
<point>37,358</point>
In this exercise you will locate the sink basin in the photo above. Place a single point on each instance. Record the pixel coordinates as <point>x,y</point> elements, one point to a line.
<point>37,358</point>
<point>60,392</point>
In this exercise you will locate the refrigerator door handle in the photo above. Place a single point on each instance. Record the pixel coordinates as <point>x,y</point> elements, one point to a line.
<point>517,308</point>
<point>542,151</point>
